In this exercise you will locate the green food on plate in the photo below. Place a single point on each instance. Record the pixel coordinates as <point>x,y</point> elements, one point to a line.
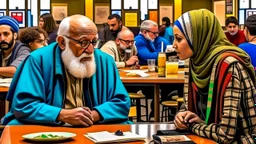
<point>43,136</point>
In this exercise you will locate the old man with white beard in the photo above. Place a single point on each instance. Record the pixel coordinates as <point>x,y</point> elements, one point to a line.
<point>68,82</point>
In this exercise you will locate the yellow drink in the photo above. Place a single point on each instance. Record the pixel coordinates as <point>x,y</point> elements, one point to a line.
<point>172,67</point>
<point>161,64</point>
<point>161,60</point>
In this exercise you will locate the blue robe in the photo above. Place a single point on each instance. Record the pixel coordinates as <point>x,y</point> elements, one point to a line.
<point>37,91</point>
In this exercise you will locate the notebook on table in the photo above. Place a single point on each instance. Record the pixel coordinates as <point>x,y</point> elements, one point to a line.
<point>107,137</point>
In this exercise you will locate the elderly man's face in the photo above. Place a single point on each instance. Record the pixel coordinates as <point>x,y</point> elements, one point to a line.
<point>78,54</point>
<point>151,33</point>
<point>6,37</point>
<point>125,42</point>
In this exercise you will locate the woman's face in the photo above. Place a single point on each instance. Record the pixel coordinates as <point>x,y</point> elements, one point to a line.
<point>41,22</point>
<point>181,45</point>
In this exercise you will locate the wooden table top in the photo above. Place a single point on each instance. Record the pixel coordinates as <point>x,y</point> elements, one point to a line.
<point>152,78</point>
<point>4,89</point>
<point>13,134</point>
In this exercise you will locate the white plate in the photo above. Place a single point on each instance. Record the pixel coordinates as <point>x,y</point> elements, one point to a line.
<point>62,136</point>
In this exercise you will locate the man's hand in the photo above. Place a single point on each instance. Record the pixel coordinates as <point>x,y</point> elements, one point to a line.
<point>182,119</point>
<point>76,116</point>
<point>132,60</point>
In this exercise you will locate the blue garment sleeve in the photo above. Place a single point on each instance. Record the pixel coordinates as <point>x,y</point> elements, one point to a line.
<point>29,103</point>
<point>144,53</point>
<point>116,106</point>
<point>158,43</point>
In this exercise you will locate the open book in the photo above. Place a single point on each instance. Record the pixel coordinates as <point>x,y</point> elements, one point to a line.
<point>107,137</point>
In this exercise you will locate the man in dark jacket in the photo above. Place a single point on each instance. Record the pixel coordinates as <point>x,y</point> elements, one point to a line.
<point>113,28</point>
<point>12,52</point>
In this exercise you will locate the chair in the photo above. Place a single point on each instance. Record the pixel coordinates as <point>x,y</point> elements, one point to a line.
<point>180,101</point>
<point>137,97</point>
<point>132,113</point>
<point>167,105</point>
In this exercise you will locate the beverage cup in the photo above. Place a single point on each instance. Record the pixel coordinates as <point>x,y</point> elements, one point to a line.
<point>172,65</point>
<point>151,65</point>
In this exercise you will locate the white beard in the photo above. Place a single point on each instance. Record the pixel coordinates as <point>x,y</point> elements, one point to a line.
<point>148,38</point>
<point>75,67</point>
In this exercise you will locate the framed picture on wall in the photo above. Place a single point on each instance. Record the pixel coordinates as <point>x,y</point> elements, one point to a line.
<point>153,15</point>
<point>19,16</point>
<point>59,11</point>
<point>101,13</point>
<point>131,18</point>
<point>2,12</point>
<point>229,6</point>
<point>165,11</point>
<point>219,11</point>
<point>116,12</point>
<point>244,4</point>
<point>250,12</point>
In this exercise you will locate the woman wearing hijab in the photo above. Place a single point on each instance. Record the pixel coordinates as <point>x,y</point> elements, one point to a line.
<point>220,81</point>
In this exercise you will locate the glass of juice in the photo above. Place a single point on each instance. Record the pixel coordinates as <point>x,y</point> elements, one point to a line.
<point>161,64</point>
<point>172,65</point>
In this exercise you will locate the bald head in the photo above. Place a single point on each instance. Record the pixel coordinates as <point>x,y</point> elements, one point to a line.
<point>125,33</point>
<point>125,39</point>
<point>77,25</point>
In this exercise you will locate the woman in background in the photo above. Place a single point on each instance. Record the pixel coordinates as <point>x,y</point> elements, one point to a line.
<point>166,30</point>
<point>34,37</point>
<point>219,103</point>
<point>47,23</point>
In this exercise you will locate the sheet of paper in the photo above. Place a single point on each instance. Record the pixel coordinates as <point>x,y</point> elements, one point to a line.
<point>107,137</point>
<point>138,72</point>
<point>5,82</point>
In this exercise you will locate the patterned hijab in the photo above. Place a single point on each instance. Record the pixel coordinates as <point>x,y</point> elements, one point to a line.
<point>210,46</point>
<point>207,41</point>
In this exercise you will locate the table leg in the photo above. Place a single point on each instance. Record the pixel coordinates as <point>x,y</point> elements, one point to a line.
<point>156,103</point>
<point>138,107</point>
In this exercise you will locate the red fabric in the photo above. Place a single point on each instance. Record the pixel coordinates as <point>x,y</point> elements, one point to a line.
<point>223,81</point>
<point>236,39</point>
<point>223,78</point>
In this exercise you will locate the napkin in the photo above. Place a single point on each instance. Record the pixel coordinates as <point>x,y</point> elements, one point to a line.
<point>5,82</point>
<point>138,72</point>
<point>107,137</point>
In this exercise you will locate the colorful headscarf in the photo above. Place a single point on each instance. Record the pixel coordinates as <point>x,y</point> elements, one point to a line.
<point>208,43</point>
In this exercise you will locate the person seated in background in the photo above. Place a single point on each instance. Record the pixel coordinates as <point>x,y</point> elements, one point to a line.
<point>47,22</point>
<point>147,45</point>
<point>34,37</point>
<point>122,49</point>
<point>233,34</point>
<point>12,51</point>
<point>250,34</point>
<point>166,30</point>
<point>115,25</point>
<point>68,82</point>
<point>220,101</point>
